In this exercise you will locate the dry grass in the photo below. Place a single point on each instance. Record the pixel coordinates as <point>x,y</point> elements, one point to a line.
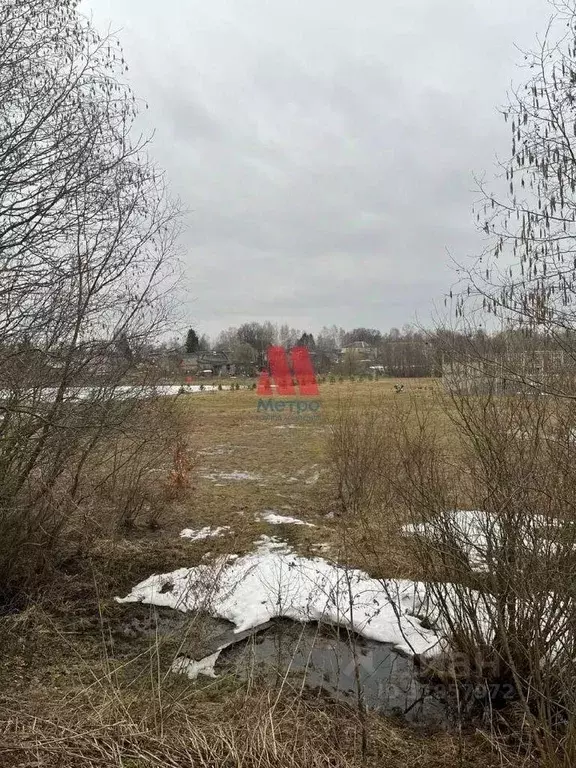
<point>503,590</point>
<point>231,435</point>
<point>83,687</point>
<point>262,728</point>
<point>79,709</point>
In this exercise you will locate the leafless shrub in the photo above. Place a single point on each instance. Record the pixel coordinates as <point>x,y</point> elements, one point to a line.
<point>375,449</point>
<point>86,233</point>
<point>498,579</point>
<point>509,609</point>
<point>363,455</point>
<point>136,474</point>
<point>178,479</point>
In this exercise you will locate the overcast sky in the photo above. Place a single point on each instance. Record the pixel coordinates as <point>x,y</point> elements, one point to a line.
<point>324,149</point>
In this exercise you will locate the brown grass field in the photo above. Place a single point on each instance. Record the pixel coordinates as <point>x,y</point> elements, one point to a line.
<point>84,680</point>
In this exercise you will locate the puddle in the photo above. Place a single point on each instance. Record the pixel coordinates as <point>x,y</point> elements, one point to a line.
<point>321,657</point>
<point>324,660</point>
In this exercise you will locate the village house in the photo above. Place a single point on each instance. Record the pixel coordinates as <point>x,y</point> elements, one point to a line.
<point>362,349</point>
<point>207,364</point>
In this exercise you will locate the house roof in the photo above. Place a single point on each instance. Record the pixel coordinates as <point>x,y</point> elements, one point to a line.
<point>205,359</point>
<point>357,345</point>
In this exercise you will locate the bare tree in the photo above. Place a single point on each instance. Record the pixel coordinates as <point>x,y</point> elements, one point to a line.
<point>287,337</point>
<point>371,336</point>
<point>86,232</point>
<point>259,336</point>
<point>330,339</point>
<point>527,275</point>
<point>523,285</point>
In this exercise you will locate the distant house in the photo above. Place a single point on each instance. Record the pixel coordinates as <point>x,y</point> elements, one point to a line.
<point>166,361</point>
<point>361,349</point>
<point>206,363</point>
<point>189,363</point>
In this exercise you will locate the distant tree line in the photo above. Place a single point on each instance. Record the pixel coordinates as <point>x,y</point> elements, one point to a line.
<point>406,352</point>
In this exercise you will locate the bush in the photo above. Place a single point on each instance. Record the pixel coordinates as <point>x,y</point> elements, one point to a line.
<point>127,478</point>
<point>499,582</point>
<point>96,487</point>
<point>87,237</point>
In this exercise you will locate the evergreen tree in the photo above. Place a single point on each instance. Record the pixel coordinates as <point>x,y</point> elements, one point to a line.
<point>306,340</point>
<point>192,341</point>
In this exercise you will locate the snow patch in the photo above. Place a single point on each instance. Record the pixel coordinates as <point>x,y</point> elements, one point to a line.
<point>469,528</point>
<point>204,533</point>
<point>267,544</point>
<point>233,476</point>
<point>217,450</point>
<point>191,668</point>
<point>478,536</point>
<point>273,581</point>
<point>124,392</point>
<point>274,519</point>
<point>313,479</point>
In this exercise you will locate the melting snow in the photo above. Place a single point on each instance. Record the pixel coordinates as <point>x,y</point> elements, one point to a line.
<point>469,528</point>
<point>478,536</point>
<point>275,519</point>
<point>235,475</point>
<point>217,450</point>
<point>48,394</point>
<point>274,581</point>
<point>269,543</point>
<point>204,533</point>
<point>313,479</point>
<point>185,666</point>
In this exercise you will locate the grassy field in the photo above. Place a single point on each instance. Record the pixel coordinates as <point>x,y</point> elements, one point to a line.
<point>85,681</point>
<point>285,457</point>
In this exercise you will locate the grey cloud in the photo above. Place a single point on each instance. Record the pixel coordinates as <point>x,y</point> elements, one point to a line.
<point>325,150</point>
